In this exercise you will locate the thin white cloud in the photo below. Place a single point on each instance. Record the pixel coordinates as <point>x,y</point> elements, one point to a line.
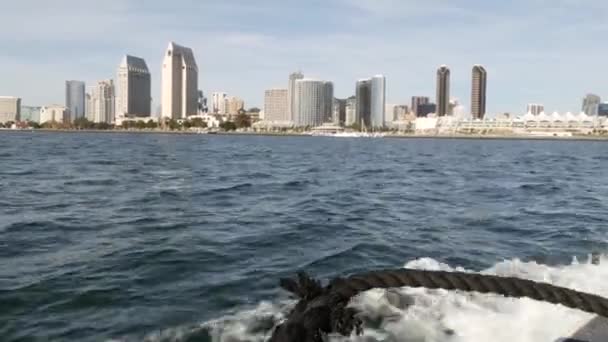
<point>528,46</point>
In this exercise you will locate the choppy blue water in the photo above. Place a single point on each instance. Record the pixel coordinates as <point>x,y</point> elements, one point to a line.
<point>117,236</point>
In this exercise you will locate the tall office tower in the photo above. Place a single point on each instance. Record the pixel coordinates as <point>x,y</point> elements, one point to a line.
<point>275,105</point>
<point>234,105</point>
<point>219,102</point>
<point>426,109</point>
<point>378,101</point>
<point>443,90</point>
<point>311,102</point>
<point>351,111</point>
<point>291,95</point>
<point>364,93</point>
<point>75,99</point>
<point>103,102</point>
<point>478,92</point>
<point>329,102</point>
<point>339,111</point>
<point>603,109</point>
<point>535,109</point>
<point>418,101</point>
<point>591,104</point>
<point>371,102</point>
<point>400,112</point>
<point>179,83</point>
<point>88,105</point>
<point>10,109</point>
<point>133,88</point>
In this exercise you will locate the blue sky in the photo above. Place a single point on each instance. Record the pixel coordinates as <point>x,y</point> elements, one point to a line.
<point>547,51</point>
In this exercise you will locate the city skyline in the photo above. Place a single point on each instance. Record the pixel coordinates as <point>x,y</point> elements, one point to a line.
<point>522,73</point>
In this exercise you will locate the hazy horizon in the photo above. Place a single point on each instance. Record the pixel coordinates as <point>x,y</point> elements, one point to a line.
<point>535,51</point>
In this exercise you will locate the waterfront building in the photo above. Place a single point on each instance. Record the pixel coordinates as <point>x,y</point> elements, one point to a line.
<point>30,113</point>
<point>133,88</point>
<point>602,109</point>
<point>339,111</point>
<point>10,109</point>
<point>275,105</point>
<point>400,112</point>
<point>535,108</point>
<point>329,102</point>
<point>351,111</point>
<point>418,101</point>
<point>426,109</point>
<point>291,94</point>
<point>363,93</point>
<point>311,102</point>
<point>219,102</point>
<point>378,101</point>
<point>75,99</point>
<point>54,113</point>
<point>103,102</point>
<point>478,92</point>
<point>89,112</point>
<point>591,104</point>
<point>443,90</point>
<point>179,82</point>
<point>234,105</point>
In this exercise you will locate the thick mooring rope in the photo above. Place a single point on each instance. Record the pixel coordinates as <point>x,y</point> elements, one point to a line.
<point>323,310</point>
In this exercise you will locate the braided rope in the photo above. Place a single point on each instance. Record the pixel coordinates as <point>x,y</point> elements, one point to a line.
<point>506,286</point>
<point>324,310</point>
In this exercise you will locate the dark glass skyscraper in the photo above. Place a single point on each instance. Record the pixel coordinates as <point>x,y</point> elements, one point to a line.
<point>75,99</point>
<point>443,90</point>
<point>418,101</point>
<point>364,94</point>
<point>478,92</point>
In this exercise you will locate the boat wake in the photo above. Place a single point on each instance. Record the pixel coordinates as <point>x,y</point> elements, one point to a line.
<point>419,315</point>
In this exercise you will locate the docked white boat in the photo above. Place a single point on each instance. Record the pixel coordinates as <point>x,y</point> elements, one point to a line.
<point>348,135</point>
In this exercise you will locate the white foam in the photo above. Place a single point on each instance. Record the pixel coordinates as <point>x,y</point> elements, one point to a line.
<point>442,316</point>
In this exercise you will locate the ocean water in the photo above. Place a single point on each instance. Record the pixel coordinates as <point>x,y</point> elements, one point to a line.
<point>117,237</point>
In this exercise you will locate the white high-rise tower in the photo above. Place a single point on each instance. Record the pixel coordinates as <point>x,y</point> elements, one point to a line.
<point>179,82</point>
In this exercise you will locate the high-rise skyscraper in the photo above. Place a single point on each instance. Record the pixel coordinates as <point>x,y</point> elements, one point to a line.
<point>329,102</point>
<point>275,105</point>
<point>179,82</point>
<point>339,111</point>
<point>426,109</point>
<point>291,95</point>
<point>378,101</point>
<point>443,90</point>
<point>234,105</point>
<point>535,109</point>
<point>133,88</point>
<point>219,102</point>
<point>400,112</point>
<point>418,101</point>
<point>591,104</point>
<point>364,93</point>
<point>351,111</point>
<point>478,92</point>
<point>10,109</point>
<point>371,102</point>
<point>311,102</point>
<point>75,99</point>
<point>603,109</point>
<point>103,102</point>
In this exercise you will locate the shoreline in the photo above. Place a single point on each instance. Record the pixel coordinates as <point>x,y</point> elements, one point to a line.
<point>388,136</point>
